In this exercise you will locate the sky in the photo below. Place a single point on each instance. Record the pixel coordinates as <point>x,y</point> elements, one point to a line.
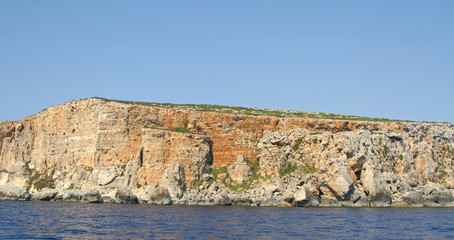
<point>386,59</point>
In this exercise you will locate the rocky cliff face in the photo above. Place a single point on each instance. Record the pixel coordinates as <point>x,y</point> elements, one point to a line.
<point>92,147</point>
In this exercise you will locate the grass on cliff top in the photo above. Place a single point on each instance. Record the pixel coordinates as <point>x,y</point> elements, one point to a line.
<point>251,111</point>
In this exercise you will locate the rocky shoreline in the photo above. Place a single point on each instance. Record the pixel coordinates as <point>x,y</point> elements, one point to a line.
<point>101,151</point>
<point>160,196</point>
<point>292,190</point>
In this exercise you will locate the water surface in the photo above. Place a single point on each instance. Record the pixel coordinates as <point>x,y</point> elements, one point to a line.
<point>62,220</point>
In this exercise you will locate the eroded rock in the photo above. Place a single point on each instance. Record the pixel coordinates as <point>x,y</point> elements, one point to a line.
<point>13,193</point>
<point>240,171</point>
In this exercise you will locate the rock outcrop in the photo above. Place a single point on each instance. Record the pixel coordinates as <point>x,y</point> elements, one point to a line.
<point>99,150</point>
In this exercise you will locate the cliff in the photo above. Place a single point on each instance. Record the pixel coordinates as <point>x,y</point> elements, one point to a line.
<point>201,154</point>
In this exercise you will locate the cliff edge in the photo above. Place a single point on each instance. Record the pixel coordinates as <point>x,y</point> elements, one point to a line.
<point>102,150</point>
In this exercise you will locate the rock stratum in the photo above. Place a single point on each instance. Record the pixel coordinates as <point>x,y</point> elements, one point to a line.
<point>101,150</point>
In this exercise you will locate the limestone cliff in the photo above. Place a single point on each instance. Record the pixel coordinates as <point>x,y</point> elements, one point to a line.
<point>190,155</point>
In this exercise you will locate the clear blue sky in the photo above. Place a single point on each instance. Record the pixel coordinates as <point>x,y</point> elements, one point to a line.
<point>391,59</point>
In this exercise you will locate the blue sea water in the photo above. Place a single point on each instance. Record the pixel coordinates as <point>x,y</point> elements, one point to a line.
<point>62,220</point>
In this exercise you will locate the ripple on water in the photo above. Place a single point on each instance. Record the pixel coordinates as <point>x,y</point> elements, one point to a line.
<point>57,220</point>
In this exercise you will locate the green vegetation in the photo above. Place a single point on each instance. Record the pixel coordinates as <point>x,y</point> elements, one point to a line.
<point>217,171</point>
<point>385,150</point>
<point>88,169</point>
<point>181,129</point>
<point>38,180</point>
<point>247,185</point>
<point>297,144</point>
<point>44,181</point>
<point>197,127</point>
<point>287,170</point>
<point>198,183</point>
<point>315,133</point>
<point>178,129</point>
<point>251,111</point>
<point>71,187</point>
<point>254,167</point>
<point>308,169</point>
<point>139,185</point>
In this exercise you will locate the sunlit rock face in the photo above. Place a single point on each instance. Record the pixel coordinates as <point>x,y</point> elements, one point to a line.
<point>104,145</point>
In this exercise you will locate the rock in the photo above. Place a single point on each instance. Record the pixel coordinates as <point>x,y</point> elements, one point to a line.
<point>74,195</point>
<point>106,177</point>
<point>160,195</point>
<point>14,193</point>
<point>356,162</point>
<point>125,196</point>
<point>221,199</point>
<point>336,178</point>
<point>415,197</point>
<point>240,199</point>
<point>270,189</point>
<point>359,198</point>
<point>214,187</point>
<point>99,144</point>
<point>403,186</point>
<point>399,204</point>
<point>288,196</point>
<point>274,203</point>
<point>46,194</point>
<point>303,197</point>
<point>107,199</point>
<point>328,201</point>
<point>393,136</point>
<point>222,176</point>
<point>206,177</point>
<point>92,196</point>
<point>375,186</point>
<point>240,171</point>
<point>173,180</point>
<point>437,194</point>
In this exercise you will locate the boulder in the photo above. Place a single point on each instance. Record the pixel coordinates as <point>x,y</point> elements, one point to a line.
<point>46,194</point>
<point>240,171</point>
<point>174,180</point>
<point>415,197</point>
<point>222,199</point>
<point>125,196</point>
<point>13,193</point>
<point>359,198</point>
<point>437,194</point>
<point>160,195</point>
<point>303,197</point>
<point>73,195</point>
<point>206,177</point>
<point>356,162</point>
<point>107,199</point>
<point>336,179</point>
<point>92,196</point>
<point>328,201</point>
<point>375,186</point>
<point>106,177</point>
<point>274,203</point>
<point>288,196</point>
<point>240,199</point>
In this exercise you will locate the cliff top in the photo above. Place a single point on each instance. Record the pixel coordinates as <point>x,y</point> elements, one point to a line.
<point>254,111</point>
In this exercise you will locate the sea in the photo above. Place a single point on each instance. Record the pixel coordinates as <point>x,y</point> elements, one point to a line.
<point>65,220</point>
